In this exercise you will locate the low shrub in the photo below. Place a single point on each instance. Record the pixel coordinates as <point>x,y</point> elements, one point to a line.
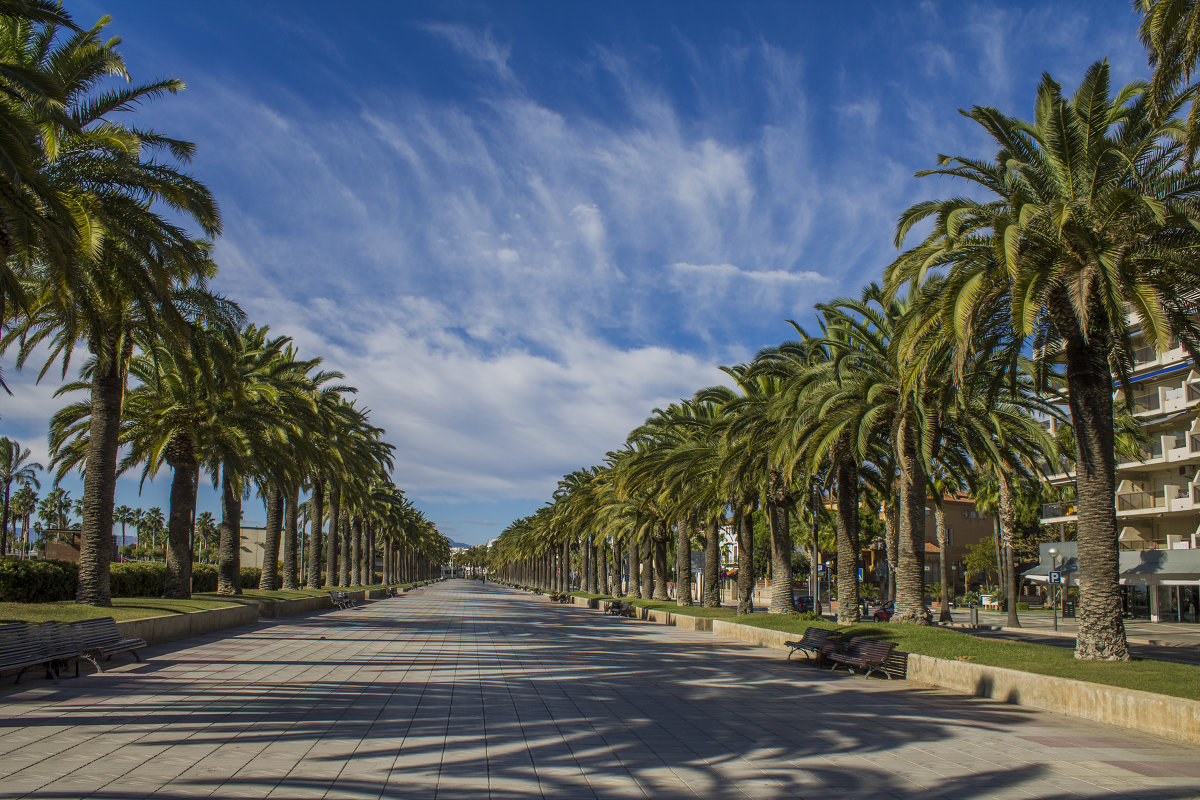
<point>250,577</point>
<point>139,579</point>
<point>1022,606</point>
<point>204,578</point>
<point>30,581</point>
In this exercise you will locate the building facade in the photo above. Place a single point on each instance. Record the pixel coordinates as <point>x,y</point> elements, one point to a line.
<point>1158,496</point>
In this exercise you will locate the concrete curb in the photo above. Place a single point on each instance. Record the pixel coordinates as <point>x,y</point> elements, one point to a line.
<point>180,626</point>
<point>1159,715</point>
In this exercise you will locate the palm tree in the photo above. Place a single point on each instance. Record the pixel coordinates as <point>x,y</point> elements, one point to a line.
<point>138,275</point>
<point>124,515</point>
<point>1170,31</point>
<point>15,466</point>
<point>24,503</point>
<point>206,532</point>
<point>1087,236</point>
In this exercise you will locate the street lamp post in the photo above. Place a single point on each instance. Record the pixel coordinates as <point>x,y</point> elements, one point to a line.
<point>1054,600</point>
<point>816,559</point>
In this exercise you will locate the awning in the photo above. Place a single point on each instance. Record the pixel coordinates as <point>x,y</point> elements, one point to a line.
<point>1134,566</point>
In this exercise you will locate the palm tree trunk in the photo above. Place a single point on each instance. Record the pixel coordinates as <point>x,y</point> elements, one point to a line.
<point>4,529</point>
<point>661,576</point>
<point>712,563</point>
<point>1008,524</point>
<point>229,568</point>
<point>269,579</point>
<point>646,576</point>
<point>334,537</point>
<point>891,544</point>
<point>314,537</point>
<point>744,523</point>
<point>356,536</point>
<point>1089,395</point>
<point>602,565</point>
<point>939,519</point>
<point>345,554</point>
<point>633,586</point>
<point>683,560</point>
<point>100,479</point>
<point>847,541</point>
<point>910,566</point>
<point>779,502</point>
<point>291,538</point>
<point>181,456</point>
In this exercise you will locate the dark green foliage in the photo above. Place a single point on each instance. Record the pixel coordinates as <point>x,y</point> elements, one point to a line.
<point>139,579</point>
<point>204,578</point>
<point>26,581</point>
<point>251,577</point>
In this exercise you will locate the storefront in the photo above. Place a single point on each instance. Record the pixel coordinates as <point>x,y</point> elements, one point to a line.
<point>1158,585</point>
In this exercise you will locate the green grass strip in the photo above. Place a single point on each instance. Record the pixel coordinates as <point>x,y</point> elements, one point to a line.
<point>1147,675</point>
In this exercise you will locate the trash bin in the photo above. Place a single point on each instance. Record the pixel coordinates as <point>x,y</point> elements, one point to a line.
<point>1068,609</point>
<point>974,616</point>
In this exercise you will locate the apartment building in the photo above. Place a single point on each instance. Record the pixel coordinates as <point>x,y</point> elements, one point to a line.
<point>1158,495</point>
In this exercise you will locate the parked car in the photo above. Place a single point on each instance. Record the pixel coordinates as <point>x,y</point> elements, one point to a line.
<point>804,602</point>
<point>884,612</point>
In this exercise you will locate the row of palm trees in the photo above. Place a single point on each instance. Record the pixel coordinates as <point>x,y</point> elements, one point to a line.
<point>1019,301</point>
<point>97,250</point>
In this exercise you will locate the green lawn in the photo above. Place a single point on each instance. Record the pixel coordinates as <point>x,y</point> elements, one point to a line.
<point>123,608</point>
<point>1160,677</point>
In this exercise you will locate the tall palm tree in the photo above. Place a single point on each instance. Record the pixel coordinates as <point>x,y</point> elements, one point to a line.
<point>139,272</point>
<point>15,467</point>
<point>24,503</point>
<point>1087,235</point>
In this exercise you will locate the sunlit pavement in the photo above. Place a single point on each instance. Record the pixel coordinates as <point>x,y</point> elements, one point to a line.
<point>468,691</point>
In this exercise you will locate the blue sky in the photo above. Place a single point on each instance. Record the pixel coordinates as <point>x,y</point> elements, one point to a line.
<point>518,227</point>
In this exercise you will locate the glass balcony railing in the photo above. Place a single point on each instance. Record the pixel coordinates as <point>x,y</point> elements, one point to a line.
<point>1144,355</point>
<point>1146,402</point>
<point>1050,510</point>
<point>1193,392</point>
<point>1136,501</point>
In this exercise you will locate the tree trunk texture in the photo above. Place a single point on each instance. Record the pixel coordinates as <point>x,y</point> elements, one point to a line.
<point>334,538</point>
<point>603,566</point>
<point>943,541</point>
<point>229,555</point>
<point>100,483</point>
<point>712,564</point>
<point>314,539</point>
<point>645,577</point>
<point>683,560</point>
<point>779,503</point>
<point>661,576</point>
<point>1089,395</point>
<point>344,551</point>
<point>269,579</point>
<point>181,457</point>
<point>356,536</point>
<point>910,566</point>
<point>633,583</point>
<point>291,539</point>
<point>744,524</point>
<point>847,541</point>
<point>891,544</point>
<point>1008,526</point>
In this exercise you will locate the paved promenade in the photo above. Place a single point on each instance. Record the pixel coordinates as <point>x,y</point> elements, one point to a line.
<point>465,691</point>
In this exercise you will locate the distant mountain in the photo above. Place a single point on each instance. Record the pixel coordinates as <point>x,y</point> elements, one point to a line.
<point>460,544</point>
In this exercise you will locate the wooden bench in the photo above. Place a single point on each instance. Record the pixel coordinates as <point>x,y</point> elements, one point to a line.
<point>619,609</point>
<point>816,643</point>
<point>50,645</point>
<point>868,655</point>
<point>100,641</point>
<point>560,598</point>
<point>341,599</point>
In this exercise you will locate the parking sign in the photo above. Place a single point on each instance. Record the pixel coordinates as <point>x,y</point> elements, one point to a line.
<point>1056,577</point>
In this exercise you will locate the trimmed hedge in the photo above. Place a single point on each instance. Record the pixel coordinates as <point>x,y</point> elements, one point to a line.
<point>31,581</point>
<point>28,581</point>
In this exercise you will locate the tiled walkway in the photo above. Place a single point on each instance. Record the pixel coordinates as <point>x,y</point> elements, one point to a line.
<point>465,691</point>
